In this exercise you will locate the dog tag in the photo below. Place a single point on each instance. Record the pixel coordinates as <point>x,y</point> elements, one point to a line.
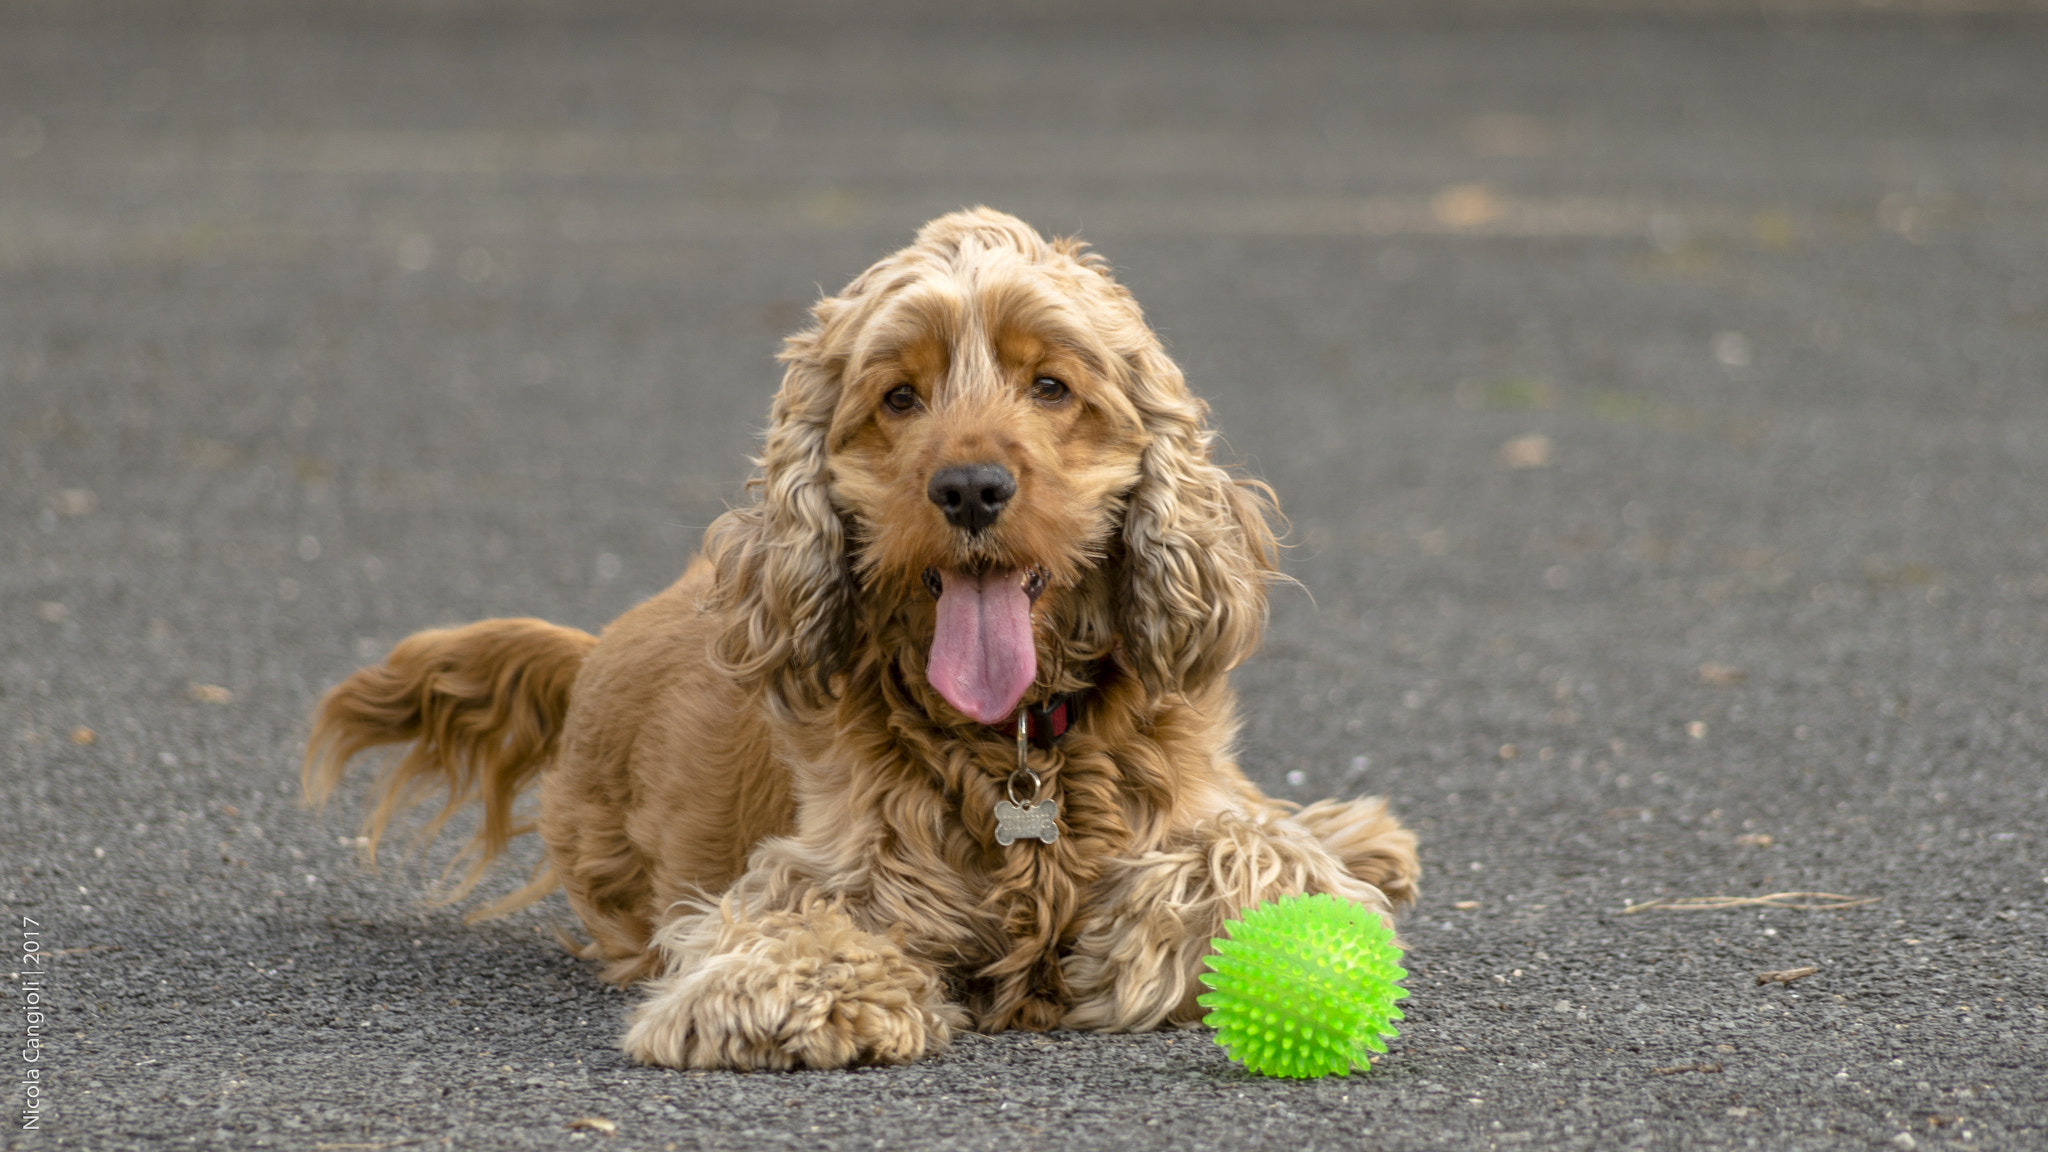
<point>1013,823</point>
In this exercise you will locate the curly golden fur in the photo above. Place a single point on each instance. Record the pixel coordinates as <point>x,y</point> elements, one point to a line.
<point>754,796</point>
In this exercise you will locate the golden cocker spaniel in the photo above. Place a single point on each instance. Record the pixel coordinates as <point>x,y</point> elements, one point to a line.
<point>936,733</point>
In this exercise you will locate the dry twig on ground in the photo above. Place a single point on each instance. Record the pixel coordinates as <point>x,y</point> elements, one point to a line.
<point>1785,977</point>
<point>1801,901</point>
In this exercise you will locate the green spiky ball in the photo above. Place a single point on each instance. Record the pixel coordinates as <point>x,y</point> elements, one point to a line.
<point>1304,986</point>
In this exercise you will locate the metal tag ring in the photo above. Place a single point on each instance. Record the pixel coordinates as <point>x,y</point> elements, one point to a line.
<point>1010,786</point>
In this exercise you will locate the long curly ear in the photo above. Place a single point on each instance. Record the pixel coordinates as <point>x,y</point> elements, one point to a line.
<point>1199,550</point>
<point>782,572</point>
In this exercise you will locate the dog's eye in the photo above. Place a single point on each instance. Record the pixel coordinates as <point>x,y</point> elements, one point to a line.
<point>1047,390</point>
<point>901,399</point>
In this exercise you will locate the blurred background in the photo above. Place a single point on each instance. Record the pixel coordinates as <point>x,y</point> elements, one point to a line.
<point>1659,392</point>
<point>324,322</point>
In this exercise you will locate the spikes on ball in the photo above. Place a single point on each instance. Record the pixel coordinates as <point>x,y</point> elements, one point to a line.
<point>1304,986</point>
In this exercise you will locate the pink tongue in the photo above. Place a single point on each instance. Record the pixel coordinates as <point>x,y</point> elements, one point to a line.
<point>982,657</point>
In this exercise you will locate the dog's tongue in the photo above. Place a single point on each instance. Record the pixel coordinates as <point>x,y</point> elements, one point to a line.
<point>982,657</point>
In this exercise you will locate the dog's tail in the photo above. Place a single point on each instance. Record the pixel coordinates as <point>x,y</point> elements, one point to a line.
<point>482,706</point>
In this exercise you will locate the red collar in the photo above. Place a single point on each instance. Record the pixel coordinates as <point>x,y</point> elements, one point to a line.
<point>1045,723</point>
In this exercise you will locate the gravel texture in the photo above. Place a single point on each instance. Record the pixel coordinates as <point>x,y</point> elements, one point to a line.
<point>1660,401</point>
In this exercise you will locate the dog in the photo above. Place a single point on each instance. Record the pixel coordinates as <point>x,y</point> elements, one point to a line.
<point>936,732</point>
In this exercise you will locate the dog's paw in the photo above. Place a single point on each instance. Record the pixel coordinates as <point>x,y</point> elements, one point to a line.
<point>1372,844</point>
<point>802,999</point>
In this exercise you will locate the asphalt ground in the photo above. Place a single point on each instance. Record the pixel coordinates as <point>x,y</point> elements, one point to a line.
<point>1660,402</point>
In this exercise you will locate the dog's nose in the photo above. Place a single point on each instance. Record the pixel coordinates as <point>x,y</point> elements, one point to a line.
<point>972,495</point>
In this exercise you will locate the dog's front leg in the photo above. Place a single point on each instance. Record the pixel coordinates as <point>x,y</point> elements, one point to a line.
<point>798,988</point>
<point>1142,943</point>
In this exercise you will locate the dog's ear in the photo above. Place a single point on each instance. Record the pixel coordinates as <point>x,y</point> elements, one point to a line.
<point>1198,547</point>
<point>782,572</point>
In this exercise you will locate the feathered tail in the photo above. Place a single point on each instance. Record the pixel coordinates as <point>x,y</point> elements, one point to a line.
<point>483,707</point>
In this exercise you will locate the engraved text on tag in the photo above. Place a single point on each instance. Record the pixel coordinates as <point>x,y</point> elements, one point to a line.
<point>1014,823</point>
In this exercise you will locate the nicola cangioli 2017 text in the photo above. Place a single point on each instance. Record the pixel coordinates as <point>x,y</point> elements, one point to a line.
<point>34,1015</point>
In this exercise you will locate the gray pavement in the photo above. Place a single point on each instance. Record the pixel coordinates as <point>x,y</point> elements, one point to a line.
<point>1660,400</point>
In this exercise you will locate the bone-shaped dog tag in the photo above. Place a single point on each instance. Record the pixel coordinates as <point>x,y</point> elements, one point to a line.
<point>1014,823</point>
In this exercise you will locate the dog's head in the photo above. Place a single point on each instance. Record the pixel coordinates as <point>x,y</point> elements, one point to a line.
<point>982,432</point>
